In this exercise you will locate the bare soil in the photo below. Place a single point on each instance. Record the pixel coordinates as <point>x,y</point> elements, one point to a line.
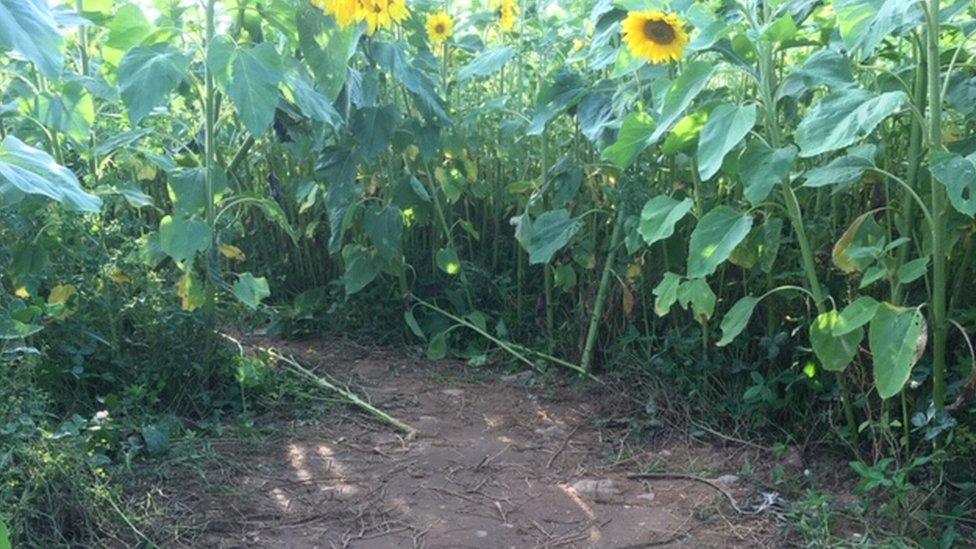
<point>500,462</point>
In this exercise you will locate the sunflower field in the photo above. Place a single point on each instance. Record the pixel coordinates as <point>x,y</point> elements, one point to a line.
<point>754,219</point>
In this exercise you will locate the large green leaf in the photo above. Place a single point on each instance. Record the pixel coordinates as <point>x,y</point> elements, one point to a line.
<point>393,58</point>
<point>736,319</point>
<point>362,267</point>
<point>547,234</point>
<point>659,216</point>
<point>338,165</point>
<point>958,174</point>
<point>4,535</point>
<point>14,329</point>
<point>839,171</point>
<point>681,93</point>
<point>182,237</point>
<point>634,136</point>
<point>855,315</point>
<point>558,93</point>
<point>372,128</point>
<point>727,125</point>
<point>147,75</point>
<point>70,111</point>
<point>187,188</point>
<point>448,261</point>
<point>863,24</point>
<point>762,167</point>
<point>26,170</point>
<point>250,77</point>
<point>384,227</point>
<point>843,118</point>
<point>327,49</point>
<point>897,337</point>
<point>862,235</point>
<point>128,27</point>
<point>715,237</point>
<point>826,67</point>
<point>697,294</point>
<point>835,352</point>
<point>251,290</point>
<point>487,63</point>
<point>28,27</point>
<point>666,293</point>
<point>313,103</point>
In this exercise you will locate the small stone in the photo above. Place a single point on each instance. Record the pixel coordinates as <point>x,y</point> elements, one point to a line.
<point>727,480</point>
<point>552,431</point>
<point>481,534</point>
<point>648,497</point>
<point>517,379</point>
<point>596,489</point>
<point>456,393</point>
<point>793,458</point>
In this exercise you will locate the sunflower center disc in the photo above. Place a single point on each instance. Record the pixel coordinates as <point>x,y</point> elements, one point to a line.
<point>439,29</point>
<point>659,31</point>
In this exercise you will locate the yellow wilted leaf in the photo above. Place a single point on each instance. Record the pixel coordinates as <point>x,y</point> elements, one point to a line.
<point>22,292</point>
<point>60,295</point>
<point>633,271</point>
<point>147,173</point>
<point>440,175</point>
<point>119,277</point>
<point>412,152</point>
<point>627,301</point>
<point>232,252</point>
<point>471,170</point>
<point>191,292</point>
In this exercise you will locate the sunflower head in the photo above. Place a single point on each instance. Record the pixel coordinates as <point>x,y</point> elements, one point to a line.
<point>508,12</point>
<point>440,27</point>
<point>380,14</point>
<point>654,36</point>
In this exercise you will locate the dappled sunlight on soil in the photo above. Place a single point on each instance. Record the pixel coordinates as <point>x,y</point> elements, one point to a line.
<point>495,465</point>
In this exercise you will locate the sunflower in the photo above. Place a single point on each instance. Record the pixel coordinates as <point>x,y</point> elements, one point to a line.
<point>654,36</point>
<point>440,27</point>
<point>508,13</point>
<point>346,12</point>
<point>378,14</point>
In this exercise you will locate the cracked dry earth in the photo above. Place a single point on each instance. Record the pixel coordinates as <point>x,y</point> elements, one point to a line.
<point>498,464</point>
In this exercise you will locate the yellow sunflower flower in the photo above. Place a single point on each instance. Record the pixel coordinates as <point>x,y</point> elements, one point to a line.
<point>345,11</point>
<point>398,10</point>
<point>382,14</point>
<point>376,15</point>
<point>508,15</point>
<point>654,36</point>
<point>440,27</point>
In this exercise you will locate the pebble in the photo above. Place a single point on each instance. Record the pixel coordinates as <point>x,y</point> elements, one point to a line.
<point>593,488</point>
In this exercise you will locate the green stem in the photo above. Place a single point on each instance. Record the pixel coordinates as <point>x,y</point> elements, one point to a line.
<point>446,229</point>
<point>914,161</point>
<point>210,160</point>
<point>768,86</point>
<point>938,208</point>
<point>601,294</point>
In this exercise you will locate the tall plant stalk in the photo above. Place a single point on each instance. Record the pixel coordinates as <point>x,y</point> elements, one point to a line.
<point>767,90</point>
<point>937,206</point>
<point>601,294</point>
<point>210,161</point>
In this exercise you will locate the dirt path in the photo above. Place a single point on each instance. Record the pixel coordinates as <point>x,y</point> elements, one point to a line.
<point>499,464</point>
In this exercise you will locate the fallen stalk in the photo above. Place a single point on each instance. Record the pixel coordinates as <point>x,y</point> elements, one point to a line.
<point>511,348</point>
<point>293,366</point>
